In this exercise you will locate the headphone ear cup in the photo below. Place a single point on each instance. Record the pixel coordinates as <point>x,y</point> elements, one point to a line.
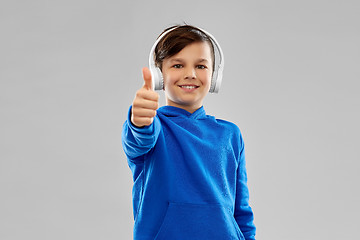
<point>213,81</point>
<point>157,78</point>
<point>216,79</point>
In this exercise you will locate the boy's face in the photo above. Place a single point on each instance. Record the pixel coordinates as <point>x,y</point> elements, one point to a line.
<point>187,76</point>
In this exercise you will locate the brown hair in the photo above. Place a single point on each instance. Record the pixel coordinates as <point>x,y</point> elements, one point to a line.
<point>177,39</point>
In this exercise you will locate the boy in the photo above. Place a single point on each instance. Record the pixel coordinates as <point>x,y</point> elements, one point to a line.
<point>188,168</point>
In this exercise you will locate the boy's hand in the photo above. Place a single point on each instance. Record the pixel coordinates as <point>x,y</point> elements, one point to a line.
<point>146,102</point>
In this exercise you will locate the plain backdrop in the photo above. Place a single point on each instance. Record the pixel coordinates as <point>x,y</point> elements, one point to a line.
<point>68,74</point>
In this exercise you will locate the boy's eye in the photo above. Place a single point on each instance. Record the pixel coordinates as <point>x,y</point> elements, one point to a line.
<point>177,66</point>
<point>201,66</point>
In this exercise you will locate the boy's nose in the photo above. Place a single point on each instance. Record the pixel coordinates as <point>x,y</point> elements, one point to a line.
<point>190,73</point>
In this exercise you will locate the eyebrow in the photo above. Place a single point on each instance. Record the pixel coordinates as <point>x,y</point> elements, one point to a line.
<point>181,60</point>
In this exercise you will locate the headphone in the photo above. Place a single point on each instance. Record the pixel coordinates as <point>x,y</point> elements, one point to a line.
<point>156,74</point>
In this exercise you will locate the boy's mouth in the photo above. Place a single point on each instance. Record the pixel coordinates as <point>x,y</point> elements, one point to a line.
<point>188,86</point>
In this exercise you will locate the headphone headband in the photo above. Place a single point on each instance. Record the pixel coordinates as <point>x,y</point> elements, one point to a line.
<point>157,78</point>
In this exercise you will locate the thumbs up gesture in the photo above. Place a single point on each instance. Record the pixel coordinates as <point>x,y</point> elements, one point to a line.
<point>146,102</point>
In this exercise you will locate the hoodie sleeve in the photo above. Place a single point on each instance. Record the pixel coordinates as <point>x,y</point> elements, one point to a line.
<point>243,213</point>
<point>139,141</point>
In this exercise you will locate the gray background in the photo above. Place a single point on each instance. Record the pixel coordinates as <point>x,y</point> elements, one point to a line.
<point>69,71</point>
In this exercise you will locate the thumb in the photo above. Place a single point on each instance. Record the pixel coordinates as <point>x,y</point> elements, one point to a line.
<point>147,78</point>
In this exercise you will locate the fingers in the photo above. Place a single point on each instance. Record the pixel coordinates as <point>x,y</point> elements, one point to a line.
<point>145,104</point>
<point>147,78</point>
<point>151,95</point>
<point>143,112</point>
<point>141,121</point>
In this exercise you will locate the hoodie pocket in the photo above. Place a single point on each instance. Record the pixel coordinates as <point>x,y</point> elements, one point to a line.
<point>198,221</point>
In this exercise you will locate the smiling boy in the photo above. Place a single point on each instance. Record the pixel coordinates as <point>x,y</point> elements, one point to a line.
<point>188,168</point>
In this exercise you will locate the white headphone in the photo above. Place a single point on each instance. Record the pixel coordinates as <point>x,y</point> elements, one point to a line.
<point>157,77</point>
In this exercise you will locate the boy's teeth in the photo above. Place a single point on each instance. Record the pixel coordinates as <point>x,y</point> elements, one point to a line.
<point>189,87</point>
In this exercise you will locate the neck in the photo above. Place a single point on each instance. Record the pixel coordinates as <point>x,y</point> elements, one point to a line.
<point>189,108</point>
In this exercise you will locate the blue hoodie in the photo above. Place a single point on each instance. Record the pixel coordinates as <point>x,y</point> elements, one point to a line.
<point>189,177</point>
